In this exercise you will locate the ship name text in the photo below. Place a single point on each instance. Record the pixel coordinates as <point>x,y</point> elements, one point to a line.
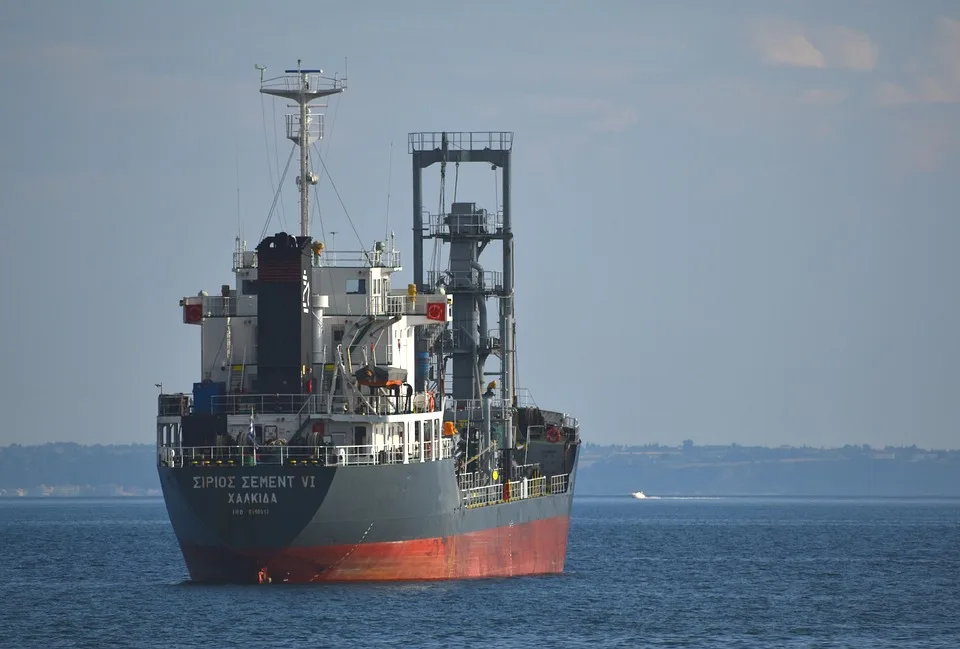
<point>252,489</point>
<point>250,481</point>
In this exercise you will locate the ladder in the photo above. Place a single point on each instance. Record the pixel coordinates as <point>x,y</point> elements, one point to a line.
<point>236,378</point>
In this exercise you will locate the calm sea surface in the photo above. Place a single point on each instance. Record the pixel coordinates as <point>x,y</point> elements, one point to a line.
<point>654,573</point>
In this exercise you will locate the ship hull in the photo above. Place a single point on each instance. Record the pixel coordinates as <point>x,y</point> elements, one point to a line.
<point>373,523</point>
<point>537,547</point>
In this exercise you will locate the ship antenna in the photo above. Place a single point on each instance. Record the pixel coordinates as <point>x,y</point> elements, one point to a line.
<point>239,223</point>
<point>389,181</point>
<point>303,86</point>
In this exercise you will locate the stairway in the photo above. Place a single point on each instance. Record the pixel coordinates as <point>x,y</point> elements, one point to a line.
<point>236,379</point>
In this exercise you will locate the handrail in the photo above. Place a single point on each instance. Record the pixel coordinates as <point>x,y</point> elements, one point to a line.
<point>489,281</point>
<point>524,470</point>
<point>400,303</point>
<point>358,259</point>
<point>470,405</point>
<point>522,489</point>
<point>480,223</point>
<point>300,404</point>
<point>460,140</point>
<point>280,455</point>
<point>300,414</point>
<point>525,398</point>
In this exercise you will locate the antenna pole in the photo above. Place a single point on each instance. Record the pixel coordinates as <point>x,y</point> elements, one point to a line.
<point>303,86</point>
<point>389,180</point>
<point>239,225</point>
<point>303,180</point>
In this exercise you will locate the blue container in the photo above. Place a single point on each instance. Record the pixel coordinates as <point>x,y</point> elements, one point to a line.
<point>203,394</point>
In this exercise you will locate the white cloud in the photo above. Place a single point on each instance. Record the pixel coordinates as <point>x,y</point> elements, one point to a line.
<point>938,80</point>
<point>848,48</point>
<point>791,44</point>
<point>781,43</point>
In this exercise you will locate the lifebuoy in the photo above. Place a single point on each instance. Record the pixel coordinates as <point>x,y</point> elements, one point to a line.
<point>436,311</point>
<point>553,435</point>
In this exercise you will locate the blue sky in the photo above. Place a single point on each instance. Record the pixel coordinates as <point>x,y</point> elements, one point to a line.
<point>736,222</point>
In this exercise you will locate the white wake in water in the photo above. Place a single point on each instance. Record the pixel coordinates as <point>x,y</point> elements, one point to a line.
<point>639,495</point>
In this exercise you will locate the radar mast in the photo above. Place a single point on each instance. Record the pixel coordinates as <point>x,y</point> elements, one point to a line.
<point>303,128</point>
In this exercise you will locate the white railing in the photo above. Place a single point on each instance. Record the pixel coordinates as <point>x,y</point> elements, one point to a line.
<point>537,487</point>
<point>524,471</point>
<point>519,490</point>
<point>314,127</point>
<point>280,455</point>
<point>309,404</point>
<point>559,483</point>
<point>474,405</point>
<point>488,280</point>
<point>244,259</point>
<point>238,404</point>
<point>469,480</point>
<point>358,258</point>
<point>460,140</point>
<point>480,223</point>
<point>400,303</point>
<point>525,398</point>
<point>482,496</point>
<point>311,81</point>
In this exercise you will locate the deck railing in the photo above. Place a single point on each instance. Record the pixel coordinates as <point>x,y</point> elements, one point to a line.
<point>460,140</point>
<point>559,483</point>
<point>522,489</point>
<point>306,404</point>
<point>281,455</point>
<point>470,480</point>
<point>467,406</point>
<point>358,258</point>
<point>525,471</point>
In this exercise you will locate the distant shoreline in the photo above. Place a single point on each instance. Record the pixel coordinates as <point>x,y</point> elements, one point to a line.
<point>686,471</point>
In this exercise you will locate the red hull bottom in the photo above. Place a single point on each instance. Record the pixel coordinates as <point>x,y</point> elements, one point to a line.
<point>538,547</point>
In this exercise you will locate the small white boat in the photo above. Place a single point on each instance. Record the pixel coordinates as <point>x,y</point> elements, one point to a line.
<point>639,495</point>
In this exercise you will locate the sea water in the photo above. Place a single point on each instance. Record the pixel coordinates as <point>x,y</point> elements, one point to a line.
<point>724,572</point>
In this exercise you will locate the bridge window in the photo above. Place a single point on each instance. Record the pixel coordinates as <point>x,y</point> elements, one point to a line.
<point>356,286</point>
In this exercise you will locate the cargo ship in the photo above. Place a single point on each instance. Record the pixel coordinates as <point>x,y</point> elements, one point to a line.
<point>345,429</point>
